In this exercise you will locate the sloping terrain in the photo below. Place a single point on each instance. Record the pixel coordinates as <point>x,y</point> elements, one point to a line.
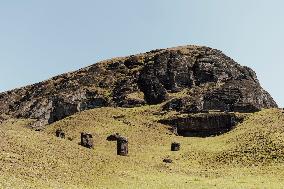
<point>189,78</point>
<point>192,90</point>
<point>249,156</point>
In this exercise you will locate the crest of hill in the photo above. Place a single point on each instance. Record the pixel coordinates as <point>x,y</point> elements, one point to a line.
<point>186,79</point>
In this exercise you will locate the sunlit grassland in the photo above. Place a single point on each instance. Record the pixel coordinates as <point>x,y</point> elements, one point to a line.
<point>250,156</point>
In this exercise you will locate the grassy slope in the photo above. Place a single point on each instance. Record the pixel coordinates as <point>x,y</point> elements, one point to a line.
<point>250,156</point>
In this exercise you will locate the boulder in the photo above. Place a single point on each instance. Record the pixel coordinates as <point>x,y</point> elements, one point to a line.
<point>167,160</point>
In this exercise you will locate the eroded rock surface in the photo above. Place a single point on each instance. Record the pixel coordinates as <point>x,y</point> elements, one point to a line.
<point>189,79</point>
<point>203,124</point>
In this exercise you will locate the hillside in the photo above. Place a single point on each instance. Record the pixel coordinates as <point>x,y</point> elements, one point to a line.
<point>230,129</point>
<point>191,79</point>
<point>249,156</point>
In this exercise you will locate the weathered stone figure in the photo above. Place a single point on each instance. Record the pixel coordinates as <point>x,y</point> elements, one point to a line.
<point>122,146</point>
<point>175,130</point>
<point>87,140</point>
<point>175,146</point>
<point>113,137</point>
<point>172,82</point>
<point>59,133</point>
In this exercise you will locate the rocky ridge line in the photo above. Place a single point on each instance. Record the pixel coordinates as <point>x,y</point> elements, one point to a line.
<point>190,79</point>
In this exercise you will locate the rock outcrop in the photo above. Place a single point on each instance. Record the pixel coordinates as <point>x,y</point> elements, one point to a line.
<point>203,124</point>
<point>188,79</point>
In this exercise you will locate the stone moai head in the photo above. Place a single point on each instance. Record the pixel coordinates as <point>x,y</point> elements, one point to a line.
<point>233,121</point>
<point>175,146</point>
<point>122,146</point>
<point>87,140</point>
<point>59,133</point>
<point>175,130</point>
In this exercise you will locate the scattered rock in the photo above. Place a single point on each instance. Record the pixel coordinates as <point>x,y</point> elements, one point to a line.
<point>119,117</point>
<point>167,160</point>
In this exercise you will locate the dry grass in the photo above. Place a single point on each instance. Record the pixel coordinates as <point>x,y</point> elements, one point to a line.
<point>251,156</point>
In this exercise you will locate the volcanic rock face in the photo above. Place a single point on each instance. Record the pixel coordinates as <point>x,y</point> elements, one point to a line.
<point>203,124</point>
<point>188,79</point>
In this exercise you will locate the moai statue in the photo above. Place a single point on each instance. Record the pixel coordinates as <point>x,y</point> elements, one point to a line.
<point>233,121</point>
<point>191,79</point>
<point>175,146</point>
<point>59,133</point>
<point>228,108</point>
<point>87,140</point>
<point>175,130</point>
<point>122,146</point>
<point>172,82</point>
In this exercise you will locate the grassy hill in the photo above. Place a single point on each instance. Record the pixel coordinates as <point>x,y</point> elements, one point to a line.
<point>250,156</point>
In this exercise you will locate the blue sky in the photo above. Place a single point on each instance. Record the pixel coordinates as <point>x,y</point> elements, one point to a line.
<point>42,38</point>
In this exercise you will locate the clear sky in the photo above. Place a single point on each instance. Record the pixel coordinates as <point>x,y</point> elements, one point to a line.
<point>43,38</point>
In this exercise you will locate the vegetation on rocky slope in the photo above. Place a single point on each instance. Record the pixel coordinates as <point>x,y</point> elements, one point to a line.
<point>193,89</point>
<point>209,79</point>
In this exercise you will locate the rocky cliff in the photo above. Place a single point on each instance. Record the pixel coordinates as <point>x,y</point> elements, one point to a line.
<point>187,79</point>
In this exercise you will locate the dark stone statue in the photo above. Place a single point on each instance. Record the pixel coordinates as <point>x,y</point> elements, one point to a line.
<point>59,133</point>
<point>87,140</point>
<point>175,146</point>
<point>122,146</point>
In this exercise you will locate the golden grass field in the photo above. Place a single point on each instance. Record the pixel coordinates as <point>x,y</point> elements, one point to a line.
<point>250,156</point>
